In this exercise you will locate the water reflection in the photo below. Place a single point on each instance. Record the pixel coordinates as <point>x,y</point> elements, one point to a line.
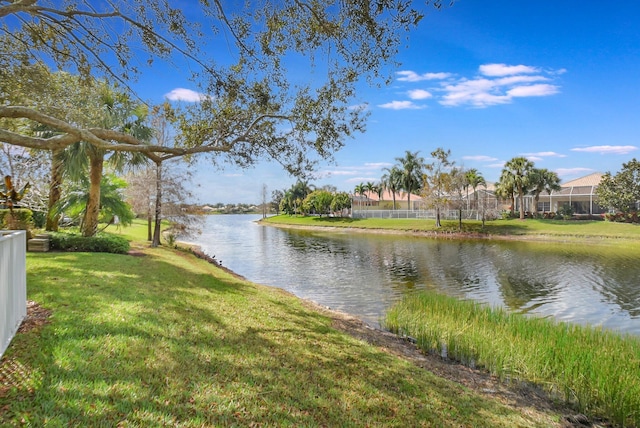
<point>365,274</point>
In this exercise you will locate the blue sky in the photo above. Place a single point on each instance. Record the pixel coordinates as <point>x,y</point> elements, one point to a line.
<point>558,82</point>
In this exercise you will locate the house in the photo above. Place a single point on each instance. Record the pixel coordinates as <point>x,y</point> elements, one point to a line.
<point>579,194</point>
<point>385,201</point>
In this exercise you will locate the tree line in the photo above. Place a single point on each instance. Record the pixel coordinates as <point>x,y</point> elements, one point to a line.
<point>441,183</point>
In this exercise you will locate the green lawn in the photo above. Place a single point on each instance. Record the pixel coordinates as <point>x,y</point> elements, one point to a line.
<point>165,339</point>
<point>528,227</point>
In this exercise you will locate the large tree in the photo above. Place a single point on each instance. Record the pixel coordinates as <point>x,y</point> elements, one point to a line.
<point>517,171</point>
<point>253,106</point>
<point>621,191</point>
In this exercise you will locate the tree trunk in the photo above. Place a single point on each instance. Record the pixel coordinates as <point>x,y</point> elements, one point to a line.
<point>521,197</point>
<point>92,211</point>
<point>438,217</point>
<point>158,219</point>
<point>55,190</point>
<point>149,223</point>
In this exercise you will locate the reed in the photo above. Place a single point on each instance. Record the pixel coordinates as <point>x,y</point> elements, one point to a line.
<point>596,370</point>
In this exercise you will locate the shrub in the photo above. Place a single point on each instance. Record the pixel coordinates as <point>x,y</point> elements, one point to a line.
<point>620,217</point>
<point>565,212</point>
<point>22,219</point>
<point>101,243</point>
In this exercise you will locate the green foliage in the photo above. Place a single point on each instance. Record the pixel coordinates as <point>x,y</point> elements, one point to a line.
<point>19,219</point>
<point>620,217</point>
<point>621,192</point>
<point>565,212</point>
<point>293,199</point>
<point>516,180</point>
<point>318,202</point>
<point>101,243</point>
<point>341,201</point>
<point>111,200</point>
<point>593,369</point>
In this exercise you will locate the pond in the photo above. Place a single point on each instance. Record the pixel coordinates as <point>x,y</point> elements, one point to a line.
<point>364,274</point>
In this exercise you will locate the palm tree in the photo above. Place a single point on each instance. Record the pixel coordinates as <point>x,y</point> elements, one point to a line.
<point>542,179</point>
<point>474,179</point>
<point>371,188</point>
<point>299,192</point>
<point>411,168</point>
<point>111,200</point>
<point>392,181</point>
<point>519,168</point>
<point>121,114</point>
<point>360,189</point>
<point>505,189</point>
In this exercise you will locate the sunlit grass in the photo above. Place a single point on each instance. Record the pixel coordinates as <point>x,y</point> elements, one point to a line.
<point>568,229</point>
<point>597,370</point>
<point>166,339</point>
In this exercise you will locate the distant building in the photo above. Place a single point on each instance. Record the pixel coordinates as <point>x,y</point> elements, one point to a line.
<point>579,194</point>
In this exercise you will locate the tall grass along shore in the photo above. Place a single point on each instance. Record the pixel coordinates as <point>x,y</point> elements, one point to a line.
<point>596,370</point>
<point>161,338</point>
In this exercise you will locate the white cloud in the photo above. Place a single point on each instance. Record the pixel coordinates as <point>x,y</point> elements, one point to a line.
<point>495,70</point>
<point>497,165</point>
<point>401,105</point>
<point>545,155</point>
<point>419,94</point>
<point>354,170</point>
<point>495,84</point>
<point>478,93</point>
<point>359,180</point>
<point>606,150</point>
<point>539,90</point>
<point>512,80</point>
<point>377,165</point>
<point>411,76</point>
<point>564,172</point>
<point>182,94</point>
<point>480,158</point>
<point>534,158</point>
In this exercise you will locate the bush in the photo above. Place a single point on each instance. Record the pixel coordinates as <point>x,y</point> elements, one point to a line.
<point>565,212</point>
<point>620,217</point>
<point>101,243</point>
<point>39,219</point>
<point>22,219</point>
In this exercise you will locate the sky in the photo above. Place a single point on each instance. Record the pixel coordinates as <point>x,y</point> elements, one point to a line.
<point>556,82</point>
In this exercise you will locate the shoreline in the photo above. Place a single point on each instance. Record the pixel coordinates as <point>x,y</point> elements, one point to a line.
<point>449,235</point>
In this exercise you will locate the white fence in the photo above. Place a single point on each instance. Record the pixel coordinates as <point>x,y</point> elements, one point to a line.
<point>13,284</point>
<point>428,214</point>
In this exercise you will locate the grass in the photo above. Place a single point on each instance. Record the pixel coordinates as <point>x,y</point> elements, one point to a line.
<point>596,370</point>
<point>528,227</point>
<point>165,339</point>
